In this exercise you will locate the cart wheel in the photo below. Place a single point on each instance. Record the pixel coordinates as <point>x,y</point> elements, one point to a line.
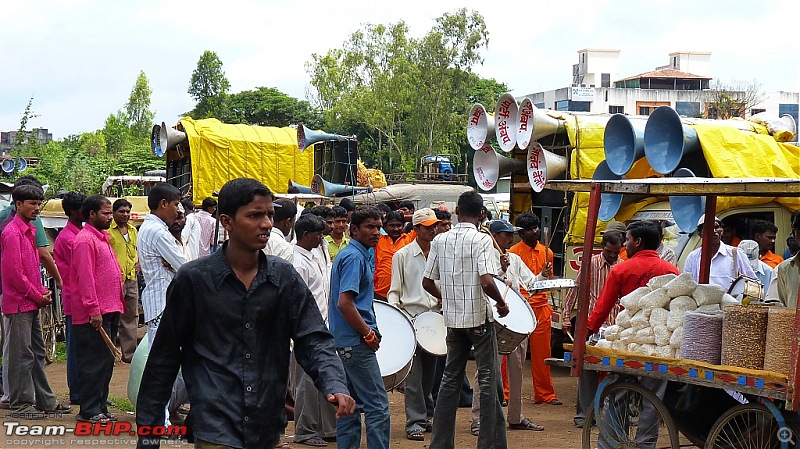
<point>748,426</point>
<point>49,331</point>
<point>621,407</point>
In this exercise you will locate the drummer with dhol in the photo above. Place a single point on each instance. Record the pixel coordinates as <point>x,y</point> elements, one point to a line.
<point>406,293</point>
<point>463,261</point>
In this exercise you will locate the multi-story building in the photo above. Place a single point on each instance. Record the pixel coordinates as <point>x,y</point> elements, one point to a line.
<point>9,138</point>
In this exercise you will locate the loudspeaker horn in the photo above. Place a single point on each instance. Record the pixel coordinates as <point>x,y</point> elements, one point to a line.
<point>168,138</point>
<point>686,210</point>
<point>306,137</point>
<point>488,167</point>
<point>480,127</point>
<point>610,203</point>
<point>300,187</point>
<point>22,164</point>
<point>155,141</point>
<point>322,187</point>
<point>543,166</point>
<point>623,141</point>
<point>8,165</point>
<point>667,140</point>
<point>534,124</point>
<point>506,119</point>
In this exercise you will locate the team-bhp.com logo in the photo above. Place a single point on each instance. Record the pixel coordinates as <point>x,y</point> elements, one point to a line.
<point>87,429</point>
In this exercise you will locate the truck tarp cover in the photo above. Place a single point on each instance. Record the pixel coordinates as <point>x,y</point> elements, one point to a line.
<point>222,152</point>
<point>729,153</point>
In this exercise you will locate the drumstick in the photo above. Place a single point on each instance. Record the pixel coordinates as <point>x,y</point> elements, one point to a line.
<point>111,346</point>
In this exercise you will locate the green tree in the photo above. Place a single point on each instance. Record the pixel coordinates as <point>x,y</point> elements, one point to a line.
<point>209,87</point>
<point>138,108</point>
<point>117,132</point>
<point>269,107</point>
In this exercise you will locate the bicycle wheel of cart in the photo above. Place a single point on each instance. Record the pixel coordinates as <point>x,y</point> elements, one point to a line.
<point>49,331</point>
<point>748,426</point>
<point>631,416</point>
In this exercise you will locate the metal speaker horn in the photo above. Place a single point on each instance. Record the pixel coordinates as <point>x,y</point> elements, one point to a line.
<point>168,138</point>
<point>8,165</point>
<point>307,137</point>
<point>534,124</point>
<point>667,140</point>
<point>320,186</point>
<point>623,141</point>
<point>686,210</point>
<point>22,164</point>
<point>542,166</point>
<point>488,167</point>
<point>610,203</point>
<point>480,127</point>
<point>300,187</point>
<point>506,119</point>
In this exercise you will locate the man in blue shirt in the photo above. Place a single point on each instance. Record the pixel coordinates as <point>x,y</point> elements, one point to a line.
<point>355,333</point>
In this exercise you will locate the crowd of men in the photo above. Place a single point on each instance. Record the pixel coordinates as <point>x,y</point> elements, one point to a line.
<point>286,303</point>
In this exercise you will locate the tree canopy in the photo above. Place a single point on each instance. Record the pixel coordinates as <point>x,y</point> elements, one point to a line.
<point>208,86</point>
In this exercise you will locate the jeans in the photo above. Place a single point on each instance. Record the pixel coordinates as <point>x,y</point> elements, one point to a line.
<point>492,422</point>
<point>366,386</point>
<point>73,378</point>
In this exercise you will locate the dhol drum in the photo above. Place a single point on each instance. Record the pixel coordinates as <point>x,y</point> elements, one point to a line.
<point>431,333</point>
<point>517,325</point>
<point>138,362</point>
<point>747,290</point>
<point>398,343</point>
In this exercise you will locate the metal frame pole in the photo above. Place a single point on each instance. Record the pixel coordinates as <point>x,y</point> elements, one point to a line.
<point>708,231</point>
<point>581,331</point>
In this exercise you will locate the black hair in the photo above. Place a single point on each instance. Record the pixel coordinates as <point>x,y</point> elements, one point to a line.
<point>384,208</point>
<point>122,202</point>
<point>408,204</point>
<point>208,203</point>
<point>322,211</point>
<point>71,201</point>
<point>161,191</point>
<point>612,237</point>
<point>363,213</point>
<point>339,212</point>
<point>442,214</point>
<point>528,220</point>
<point>239,192</point>
<point>796,222</point>
<point>27,192</point>
<point>93,203</point>
<point>348,204</point>
<point>487,213</point>
<point>287,210</point>
<point>187,204</point>
<point>28,180</point>
<point>305,211</point>
<point>308,223</point>
<point>647,230</point>
<point>762,226</point>
<point>470,204</point>
<point>393,215</point>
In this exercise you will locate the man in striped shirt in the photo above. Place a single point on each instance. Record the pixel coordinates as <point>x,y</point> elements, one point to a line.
<point>207,224</point>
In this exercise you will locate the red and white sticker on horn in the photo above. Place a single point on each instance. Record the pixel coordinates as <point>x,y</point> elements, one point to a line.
<point>537,167</point>
<point>484,167</point>
<point>525,124</point>
<point>506,119</point>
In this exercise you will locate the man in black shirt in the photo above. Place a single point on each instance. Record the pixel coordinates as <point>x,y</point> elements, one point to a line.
<point>227,324</point>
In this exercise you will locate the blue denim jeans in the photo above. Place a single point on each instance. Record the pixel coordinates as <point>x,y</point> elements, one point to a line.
<point>492,422</point>
<point>366,387</point>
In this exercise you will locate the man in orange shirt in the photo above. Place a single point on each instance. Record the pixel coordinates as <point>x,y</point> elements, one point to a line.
<point>540,261</point>
<point>388,244</point>
<point>765,233</point>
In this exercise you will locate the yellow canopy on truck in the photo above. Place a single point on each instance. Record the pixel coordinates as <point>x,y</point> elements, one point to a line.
<point>221,152</point>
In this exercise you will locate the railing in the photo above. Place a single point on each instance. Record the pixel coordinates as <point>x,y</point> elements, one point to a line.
<point>455,178</point>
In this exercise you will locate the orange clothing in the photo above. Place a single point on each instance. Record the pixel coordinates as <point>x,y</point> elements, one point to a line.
<point>384,251</point>
<point>623,253</point>
<point>771,259</point>
<point>534,258</point>
<point>540,349</point>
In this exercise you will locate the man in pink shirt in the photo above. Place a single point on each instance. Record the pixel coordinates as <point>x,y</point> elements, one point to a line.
<point>23,295</point>
<point>62,253</point>
<point>97,302</point>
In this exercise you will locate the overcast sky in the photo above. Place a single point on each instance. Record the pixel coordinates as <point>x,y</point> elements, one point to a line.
<point>79,59</point>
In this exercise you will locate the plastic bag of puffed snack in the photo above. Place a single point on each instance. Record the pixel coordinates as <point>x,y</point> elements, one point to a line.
<point>631,301</point>
<point>728,300</point>
<point>658,298</point>
<point>675,319</point>
<point>645,336</point>
<point>683,303</point>
<point>612,332</point>
<point>682,285</point>
<point>706,294</point>
<point>627,335</point>
<point>676,338</point>
<point>662,335</point>
<point>647,349</point>
<point>619,345</point>
<point>641,318</point>
<point>658,317</point>
<point>633,347</point>
<point>708,308</point>
<point>603,344</point>
<point>664,351</point>
<point>660,281</point>
<point>624,319</point>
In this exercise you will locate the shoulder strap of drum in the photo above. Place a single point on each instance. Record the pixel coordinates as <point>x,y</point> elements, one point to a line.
<point>735,262</point>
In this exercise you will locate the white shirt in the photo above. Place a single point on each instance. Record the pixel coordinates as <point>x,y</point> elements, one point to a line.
<point>207,224</point>
<point>314,274</point>
<point>191,236</point>
<point>722,272</point>
<point>458,259</point>
<point>278,246</point>
<point>155,245</point>
<point>406,292</point>
<point>518,273</point>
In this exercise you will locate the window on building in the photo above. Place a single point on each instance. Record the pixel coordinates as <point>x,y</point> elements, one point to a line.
<point>616,109</point>
<point>644,110</point>
<point>539,105</point>
<point>713,113</point>
<point>580,106</point>
<point>605,80</point>
<point>675,62</point>
<point>688,108</point>
<point>562,105</point>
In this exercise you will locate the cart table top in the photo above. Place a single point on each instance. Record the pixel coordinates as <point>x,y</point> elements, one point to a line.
<point>768,187</point>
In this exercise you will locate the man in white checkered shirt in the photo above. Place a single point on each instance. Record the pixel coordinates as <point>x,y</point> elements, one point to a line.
<point>463,262</point>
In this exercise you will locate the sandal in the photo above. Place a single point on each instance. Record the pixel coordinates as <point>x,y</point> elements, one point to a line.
<point>98,418</point>
<point>60,408</point>
<point>526,424</point>
<point>315,442</point>
<point>416,435</point>
<point>475,431</point>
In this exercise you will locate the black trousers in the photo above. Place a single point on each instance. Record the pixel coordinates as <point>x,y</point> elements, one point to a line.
<point>95,365</point>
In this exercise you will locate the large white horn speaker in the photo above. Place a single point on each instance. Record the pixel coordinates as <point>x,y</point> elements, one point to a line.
<point>667,140</point>
<point>506,118</point>
<point>686,210</point>
<point>480,127</point>
<point>169,137</point>
<point>488,167</point>
<point>8,165</point>
<point>155,141</point>
<point>543,166</point>
<point>320,186</point>
<point>534,124</point>
<point>623,141</point>
<point>306,137</point>
<point>22,164</point>
<point>300,187</point>
<point>610,203</point>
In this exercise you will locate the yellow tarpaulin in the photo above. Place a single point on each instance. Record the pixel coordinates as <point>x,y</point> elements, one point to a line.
<point>221,152</point>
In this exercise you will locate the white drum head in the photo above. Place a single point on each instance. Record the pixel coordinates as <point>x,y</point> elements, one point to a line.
<point>398,341</point>
<point>431,332</point>
<point>520,318</point>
